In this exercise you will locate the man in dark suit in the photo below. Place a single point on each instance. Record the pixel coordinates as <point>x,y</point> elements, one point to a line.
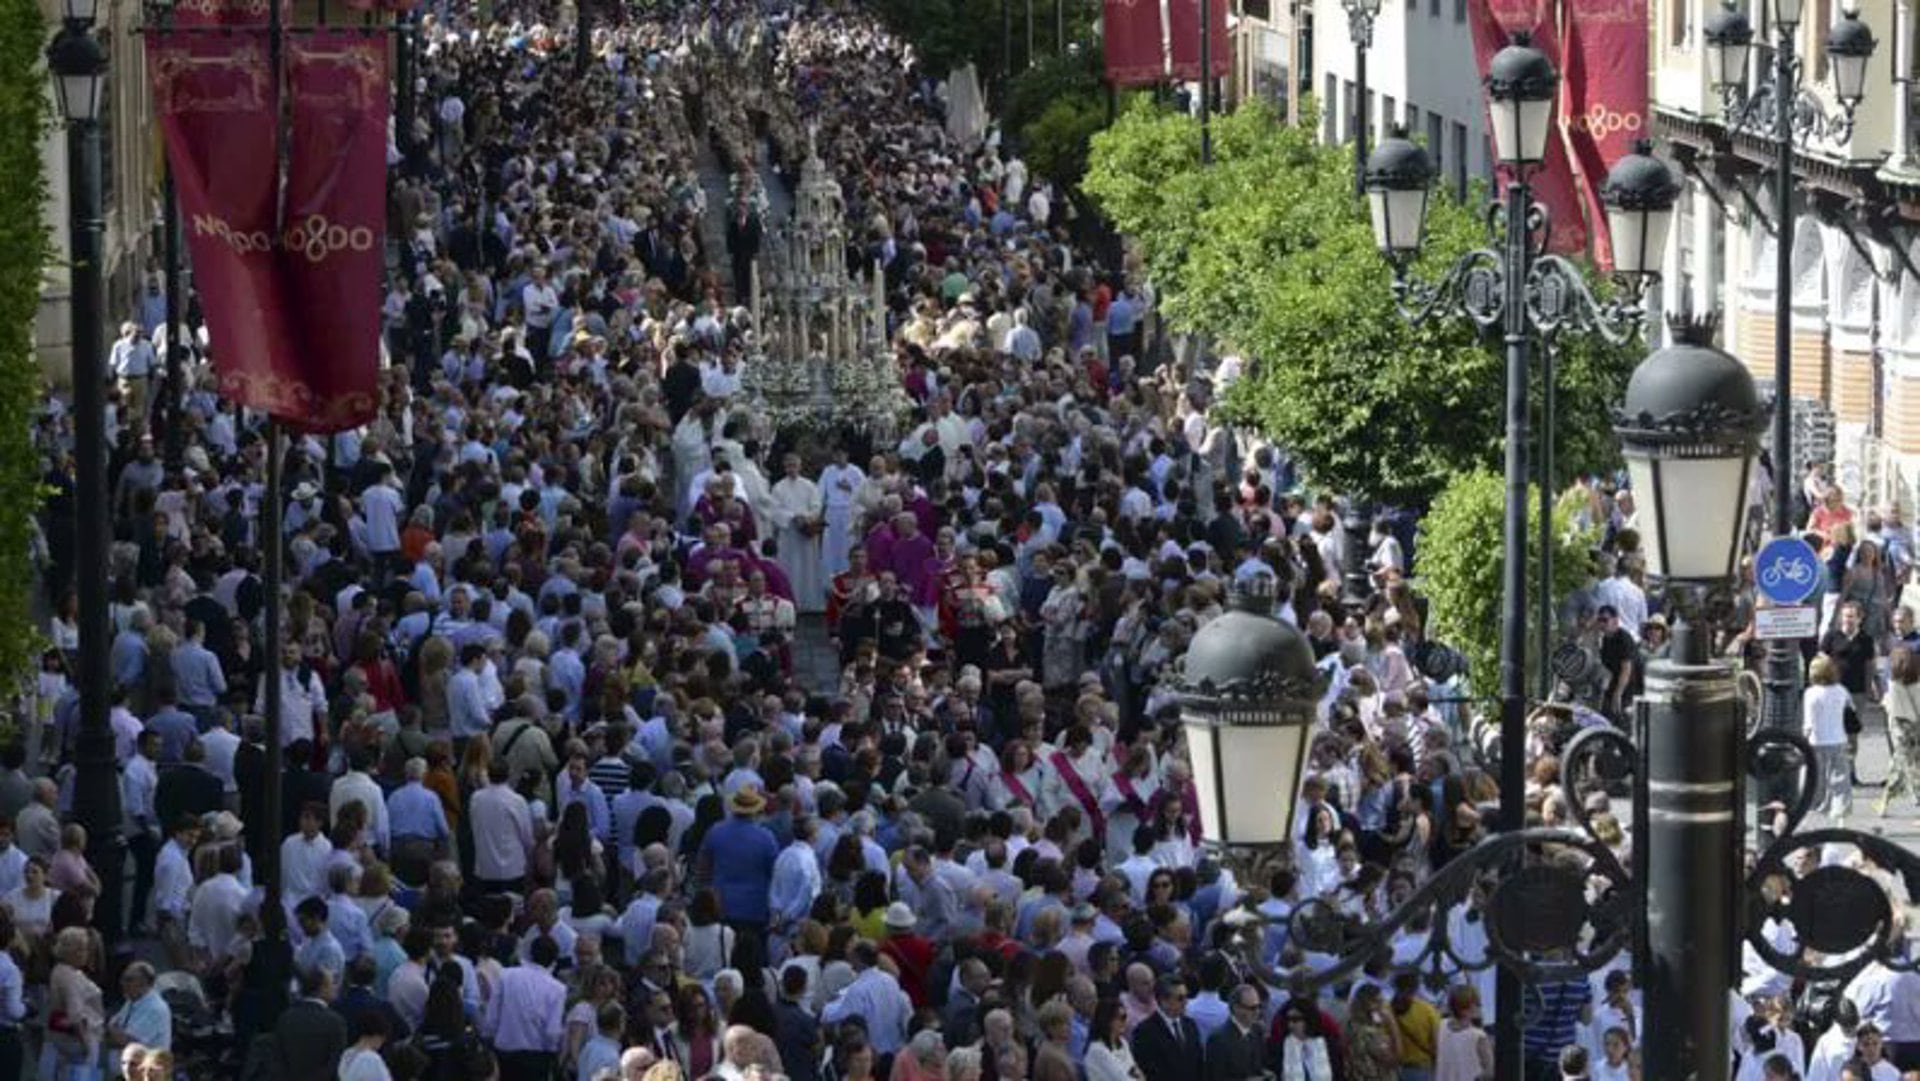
<point>358,999</point>
<point>301,786</point>
<point>743,245</point>
<point>960,1021</point>
<point>311,1036</point>
<point>250,776</point>
<point>1238,1049</point>
<point>796,1031</point>
<point>1166,1046</point>
<point>189,788</point>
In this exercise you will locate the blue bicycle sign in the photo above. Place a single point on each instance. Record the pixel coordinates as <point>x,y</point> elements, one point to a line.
<point>1786,570</point>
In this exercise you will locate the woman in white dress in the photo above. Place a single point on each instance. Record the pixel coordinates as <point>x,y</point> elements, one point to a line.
<point>1019,780</point>
<point>1108,1056</point>
<point>794,508</point>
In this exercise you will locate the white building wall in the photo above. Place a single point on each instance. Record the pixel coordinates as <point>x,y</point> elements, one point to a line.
<point>1421,74</point>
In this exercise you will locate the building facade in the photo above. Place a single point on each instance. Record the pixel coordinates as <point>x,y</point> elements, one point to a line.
<point>1421,75</point>
<point>1267,55</point>
<point>130,189</point>
<point>1851,225</point>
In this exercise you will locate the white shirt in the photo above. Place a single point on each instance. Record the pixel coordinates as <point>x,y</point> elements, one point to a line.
<point>220,745</point>
<point>540,303</point>
<point>172,878</point>
<point>357,786</point>
<point>1824,712</point>
<point>407,992</point>
<point>382,507</point>
<point>132,358</point>
<point>138,780</point>
<point>301,702</point>
<point>502,833</point>
<point>361,1064</point>
<point>303,867</point>
<point>215,910</point>
<point>1903,1019</point>
<point>13,868</point>
<point>877,997</point>
<point>1626,599</point>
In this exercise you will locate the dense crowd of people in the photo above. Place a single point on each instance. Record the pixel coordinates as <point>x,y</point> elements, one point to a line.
<point>566,795</point>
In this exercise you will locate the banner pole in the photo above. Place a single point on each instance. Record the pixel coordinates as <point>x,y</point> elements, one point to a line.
<point>176,339</point>
<point>270,525</point>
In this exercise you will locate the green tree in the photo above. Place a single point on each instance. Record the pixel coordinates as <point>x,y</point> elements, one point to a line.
<point>1271,254</point>
<point>1462,560</point>
<point>24,251</point>
<point>1055,143</point>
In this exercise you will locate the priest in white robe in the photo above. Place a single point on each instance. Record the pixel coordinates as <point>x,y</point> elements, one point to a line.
<point>795,511</point>
<point>838,484</point>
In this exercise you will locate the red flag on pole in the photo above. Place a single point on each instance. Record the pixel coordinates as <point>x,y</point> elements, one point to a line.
<point>218,106</point>
<point>1132,33</point>
<point>332,251</point>
<point>1493,22</point>
<point>1185,37</point>
<point>1604,97</point>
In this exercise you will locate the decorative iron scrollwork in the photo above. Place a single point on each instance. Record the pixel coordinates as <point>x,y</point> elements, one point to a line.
<point>1556,294</point>
<point>1758,114</point>
<point>1839,919</point>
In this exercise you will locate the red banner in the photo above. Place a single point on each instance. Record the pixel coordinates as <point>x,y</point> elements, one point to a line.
<point>1493,22</point>
<point>1136,55</point>
<point>1185,37</point>
<point>332,253</point>
<point>217,107</point>
<point>191,13</point>
<point>1604,97</point>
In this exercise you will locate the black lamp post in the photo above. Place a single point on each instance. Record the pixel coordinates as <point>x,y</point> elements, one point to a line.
<point>1689,430</point>
<point>79,67</point>
<point>1206,79</point>
<point>1555,903</point>
<point>1515,285</point>
<point>582,38</point>
<point>1784,112</point>
<point>1360,17</point>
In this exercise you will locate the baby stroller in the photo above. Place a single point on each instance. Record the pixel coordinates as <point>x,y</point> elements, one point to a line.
<point>202,1036</point>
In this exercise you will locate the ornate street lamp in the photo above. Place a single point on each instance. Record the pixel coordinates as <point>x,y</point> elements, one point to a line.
<point>1515,285</point>
<point>1729,38</point>
<point>1249,694</point>
<point>1784,113</point>
<point>79,66</point>
<point>1399,185</point>
<point>1849,47</point>
<point>1521,84</point>
<point>1639,194</point>
<point>1360,17</point>
<point>1688,430</point>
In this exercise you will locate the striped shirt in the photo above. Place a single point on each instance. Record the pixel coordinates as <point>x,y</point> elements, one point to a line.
<point>1557,1021</point>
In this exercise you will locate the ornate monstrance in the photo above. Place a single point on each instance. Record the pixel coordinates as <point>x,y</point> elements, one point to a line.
<point>822,356</point>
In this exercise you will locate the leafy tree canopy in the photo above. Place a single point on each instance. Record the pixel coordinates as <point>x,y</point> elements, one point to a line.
<point>1271,254</point>
<point>1462,560</point>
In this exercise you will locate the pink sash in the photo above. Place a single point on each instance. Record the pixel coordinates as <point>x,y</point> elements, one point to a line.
<point>1127,793</point>
<point>1019,790</point>
<point>1081,794</point>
